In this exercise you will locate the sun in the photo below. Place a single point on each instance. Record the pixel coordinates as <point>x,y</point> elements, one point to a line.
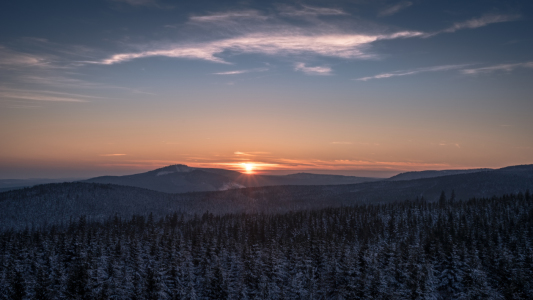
<point>249,167</point>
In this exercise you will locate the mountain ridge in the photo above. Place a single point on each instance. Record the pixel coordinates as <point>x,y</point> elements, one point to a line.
<point>183,179</point>
<point>60,202</point>
<point>433,173</point>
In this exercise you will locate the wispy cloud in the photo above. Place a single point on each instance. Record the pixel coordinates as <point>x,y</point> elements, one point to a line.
<point>391,10</point>
<point>114,154</point>
<point>267,161</point>
<point>495,68</point>
<point>241,71</point>
<point>148,3</point>
<point>47,76</point>
<point>15,59</point>
<point>43,95</point>
<point>272,162</point>
<point>239,153</point>
<point>479,22</point>
<point>40,54</point>
<point>312,70</point>
<point>412,72</point>
<point>309,11</point>
<point>341,143</point>
<point>442,144</point>
<point>332,45</point>
<point>253,153</point>
<point>228,16</point>
<point>279,38</point>
<point>61,81</point>
<point>315,164</point>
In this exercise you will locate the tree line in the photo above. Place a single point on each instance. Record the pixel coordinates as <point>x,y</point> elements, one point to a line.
<point>476,249</point>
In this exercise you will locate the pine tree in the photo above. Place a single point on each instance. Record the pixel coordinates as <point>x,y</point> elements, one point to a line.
<point>18,286</point>
<point>78,281</point>
<point>42,285</point>
<point>216,289</point>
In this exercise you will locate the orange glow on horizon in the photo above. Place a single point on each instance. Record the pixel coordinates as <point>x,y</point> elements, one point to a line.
<point>248,167</point>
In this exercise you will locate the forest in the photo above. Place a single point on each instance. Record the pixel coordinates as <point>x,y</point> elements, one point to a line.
<point>480,248</point>
<point>60,203</point>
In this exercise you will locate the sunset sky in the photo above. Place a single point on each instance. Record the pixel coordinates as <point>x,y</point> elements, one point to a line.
<point>369,88</point>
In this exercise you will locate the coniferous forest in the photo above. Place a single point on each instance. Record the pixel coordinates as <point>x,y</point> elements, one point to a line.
<point>450,249</point>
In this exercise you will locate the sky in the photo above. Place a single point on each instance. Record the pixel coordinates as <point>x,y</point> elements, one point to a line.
<point>366,88</point>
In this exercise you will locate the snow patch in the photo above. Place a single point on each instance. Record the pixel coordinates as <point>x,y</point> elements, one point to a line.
<point>165,173</point>
<point>175,169</point>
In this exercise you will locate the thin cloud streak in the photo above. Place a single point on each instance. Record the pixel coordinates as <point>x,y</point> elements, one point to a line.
<point>228,16</point>
<point>412,72</point>
<point>14,59</point>
<point>61,81</point>
<point>309,11</point>
<point>482,21</point>
<point>277,163</point>
<point>43,95</point>
<point>148,3</point>
<point>114,154</point>
<point>263,163</point>
<point>312,70</point>
<point>341,143</point>
<point>495,68</point>
<point>236,72</point>
<point>477,23</point>
<point>391,10</point>
<point>292,164</point>
<point>254,153</point>
<point>348,46</point>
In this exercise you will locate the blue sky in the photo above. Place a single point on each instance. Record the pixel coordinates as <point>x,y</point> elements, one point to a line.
<point>347,87</point>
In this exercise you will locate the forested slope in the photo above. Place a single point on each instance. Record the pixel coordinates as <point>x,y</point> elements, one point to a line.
<point>58,203</point>
<point>476,249</point>
<point>183,179</point>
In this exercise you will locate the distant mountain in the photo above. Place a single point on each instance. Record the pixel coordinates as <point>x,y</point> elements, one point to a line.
<point>183,179</point>
<point>430,174</point>
<point>13,184</point>
<point>58,203</point>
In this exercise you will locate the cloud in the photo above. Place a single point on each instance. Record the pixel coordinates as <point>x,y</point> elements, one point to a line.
<point>42,95</point>
<point>114,154</point>
<point>45,76</point>
<point>348,46</point>
<point>267,161</point>
<point>342,143</point>
<point>479,22</point>
<point>241,71</point>
<point>412,72</point>
<point>309,11</point>
<point>18,106</point>
<point>13,59</point>
<point>254,153</point>
<point>228,16</point>
<point>315,164</point>
<point>449,144</point>
<point>148,3</point>
<point>278,38</point>
<point>241,153</point>
<point>312,70</point>
<point>262,163</point>
<point>495,68</point>
<point>391,10</point>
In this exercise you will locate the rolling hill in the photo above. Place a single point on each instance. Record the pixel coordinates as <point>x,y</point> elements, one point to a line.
<point>59,203</point>
<point>431,173</point>
<point>183,179</point>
